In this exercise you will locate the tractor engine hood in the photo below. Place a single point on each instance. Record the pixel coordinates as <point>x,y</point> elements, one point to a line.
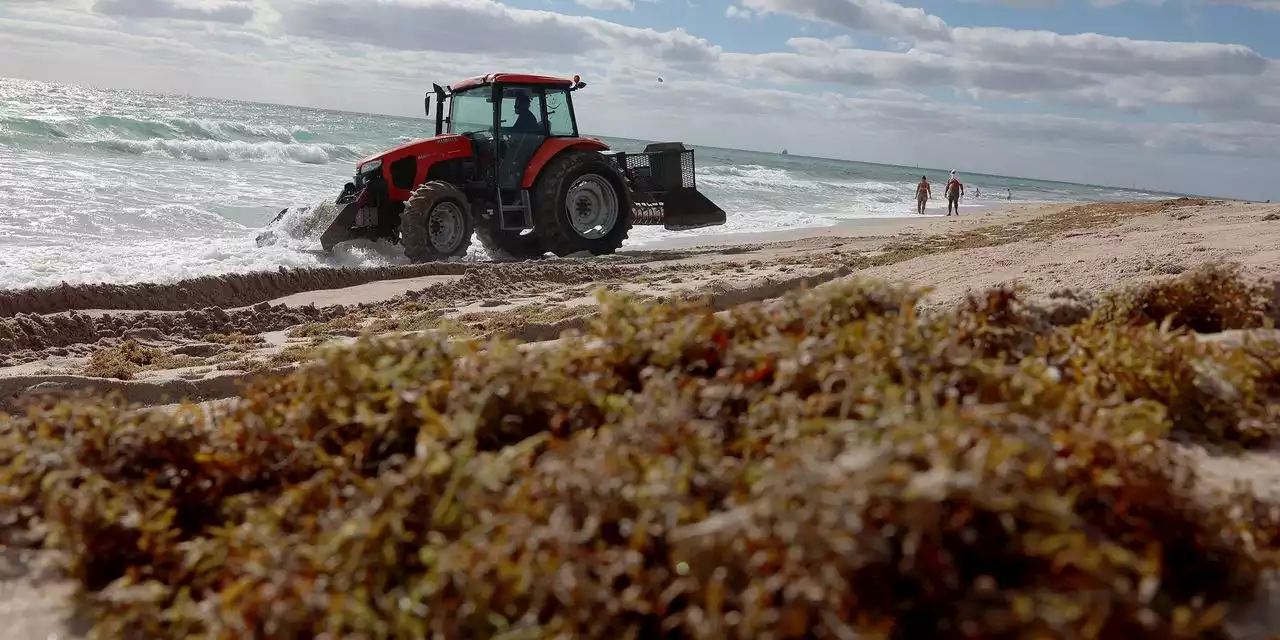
<point>423,147</point>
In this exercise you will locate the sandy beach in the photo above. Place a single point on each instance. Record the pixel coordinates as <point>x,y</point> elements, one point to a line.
<point>200,340</point>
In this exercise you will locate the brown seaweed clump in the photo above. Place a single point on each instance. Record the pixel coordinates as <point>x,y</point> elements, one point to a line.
<point>127,358</point>
<point>827,465</point>
<point>1209,298</point>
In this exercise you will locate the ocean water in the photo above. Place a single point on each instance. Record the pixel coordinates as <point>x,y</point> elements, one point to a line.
<point>125,186</point>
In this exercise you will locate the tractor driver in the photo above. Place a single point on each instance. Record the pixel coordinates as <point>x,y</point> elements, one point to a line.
<point>526,121</point>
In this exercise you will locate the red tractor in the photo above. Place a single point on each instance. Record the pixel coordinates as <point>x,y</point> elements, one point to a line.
<point>507,163</point>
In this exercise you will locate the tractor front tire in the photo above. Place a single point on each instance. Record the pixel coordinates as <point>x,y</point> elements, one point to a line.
<point>436,223</point>
<point>581,203</point>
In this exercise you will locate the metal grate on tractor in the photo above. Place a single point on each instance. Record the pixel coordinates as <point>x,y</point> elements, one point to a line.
<point>664,190</point>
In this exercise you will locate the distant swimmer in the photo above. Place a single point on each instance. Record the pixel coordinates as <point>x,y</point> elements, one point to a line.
<point>1010,196</point>
<point>923,193</point>
<point>955,189</point>
<point>977,192</point>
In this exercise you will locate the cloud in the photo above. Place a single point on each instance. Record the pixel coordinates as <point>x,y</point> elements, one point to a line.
<point>881,16</point>
<point>820,46</point>
<point>734,11</point>
<point>608,5</point>
<point>1021,4</point>
<point>912,69</point>
<point>227,12</point>
<point>1088,70</point>
<point>485,26</point>
<point>1096,53</point>
<point>1260,5</point>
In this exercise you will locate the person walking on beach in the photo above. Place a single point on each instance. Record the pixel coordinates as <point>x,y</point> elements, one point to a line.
<point>923,193</point>
<point>954,190</point>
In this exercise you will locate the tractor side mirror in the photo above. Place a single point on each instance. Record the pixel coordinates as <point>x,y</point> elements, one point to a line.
<point>426,105</point>
<point>580,85</point>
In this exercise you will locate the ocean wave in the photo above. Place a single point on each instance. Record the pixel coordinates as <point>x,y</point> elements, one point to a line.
<point>33,127</point>
<point>128,128</point>
<point>178,137</point>
<point>758,177</point>
<point>223,130</point>
<point>229,150</point>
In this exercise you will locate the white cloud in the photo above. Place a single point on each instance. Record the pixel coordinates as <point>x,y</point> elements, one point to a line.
<point>882,16</point>
<point>1096,53</point>
<point>1260,5</point>
<point>484,26</point>
<point>1022,4</point>
<point>734,11</point>
<point>820,46</point>
<point>1077,70</point>
<point>228,12</point>
<point>912,69</point>
<point>608,5</point>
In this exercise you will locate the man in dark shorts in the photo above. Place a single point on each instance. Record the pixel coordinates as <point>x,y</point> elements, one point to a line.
<point>955,189</point>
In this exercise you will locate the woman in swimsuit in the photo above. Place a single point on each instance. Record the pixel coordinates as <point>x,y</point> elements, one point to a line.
<point>923,193</point>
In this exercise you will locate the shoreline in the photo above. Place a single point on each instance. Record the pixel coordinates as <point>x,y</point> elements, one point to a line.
<point>705,236</point>
<point>237,289</point>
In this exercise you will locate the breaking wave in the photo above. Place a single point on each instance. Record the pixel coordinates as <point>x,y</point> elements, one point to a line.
<point>179,138</point>
<point>218,150</point>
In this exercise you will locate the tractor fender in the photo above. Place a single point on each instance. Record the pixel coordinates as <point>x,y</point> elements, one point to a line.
<point>551,148</point>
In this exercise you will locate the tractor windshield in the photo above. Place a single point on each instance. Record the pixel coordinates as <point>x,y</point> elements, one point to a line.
<point>471,111</point>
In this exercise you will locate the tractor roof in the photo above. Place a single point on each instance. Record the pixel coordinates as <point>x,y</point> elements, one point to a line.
<point>510,78</point>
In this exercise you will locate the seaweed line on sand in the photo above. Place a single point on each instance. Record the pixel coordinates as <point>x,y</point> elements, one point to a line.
<point>827,464</point>
<point>224,290</point>
<point>241,289</point>
<point>27,334</point>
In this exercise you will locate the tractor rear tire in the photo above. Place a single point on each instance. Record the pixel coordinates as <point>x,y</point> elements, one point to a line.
<point>583,187</point>
<point>436,223</point>
<point>503,244</point>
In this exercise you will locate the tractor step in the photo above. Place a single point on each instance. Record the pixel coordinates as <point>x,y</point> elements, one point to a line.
<point>515,217</point>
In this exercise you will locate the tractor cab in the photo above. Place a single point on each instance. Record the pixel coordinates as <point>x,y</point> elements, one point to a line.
<point>508,118</point>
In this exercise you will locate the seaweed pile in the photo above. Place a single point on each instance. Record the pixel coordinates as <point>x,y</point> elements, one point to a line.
<point>831,464</point>
<point>26,337</point>
<point>222,290</point>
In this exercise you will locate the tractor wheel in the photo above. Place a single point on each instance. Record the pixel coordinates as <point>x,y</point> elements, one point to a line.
<point>436,223</point>
<point>503,244</point>
<point>581,203</point>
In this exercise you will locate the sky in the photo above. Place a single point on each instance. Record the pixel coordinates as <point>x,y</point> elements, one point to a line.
<point>1175,95</point>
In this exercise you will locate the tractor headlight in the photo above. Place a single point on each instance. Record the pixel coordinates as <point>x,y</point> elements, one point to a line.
<point>370,167</point>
